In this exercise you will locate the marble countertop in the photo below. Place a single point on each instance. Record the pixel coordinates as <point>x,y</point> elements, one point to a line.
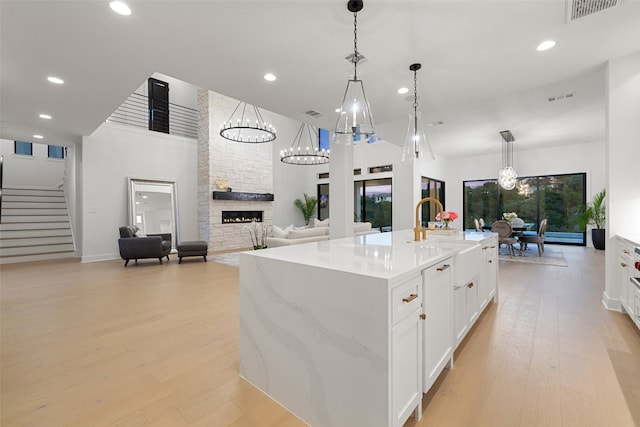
<point>391,255</point>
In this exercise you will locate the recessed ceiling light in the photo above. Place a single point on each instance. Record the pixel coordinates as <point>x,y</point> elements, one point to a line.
<point>45,116</point>
<point>38,136</point>
<point>546,45</point>
<point>403,90</point>
<point>337,110</point>
<point>270,77</point>
<point>120,7</point>
<point>55,80</point>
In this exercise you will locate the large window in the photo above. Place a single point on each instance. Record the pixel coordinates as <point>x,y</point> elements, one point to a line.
<point>372,199</point>
<point>158,105</point>
<point>372,202</point>
<point>22,147</point>
<point>431,188</point>
<point>555,197</point>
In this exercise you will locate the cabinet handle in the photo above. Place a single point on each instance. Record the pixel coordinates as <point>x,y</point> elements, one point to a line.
<point>485,247</point>
<point>423,316</point>
<point>470,285</point>
<point>493,247</point>
<point>444,267</point>
<point>410,298</point>
<point>626,251</point>
<point>490,261</point>
<point>623,264</point>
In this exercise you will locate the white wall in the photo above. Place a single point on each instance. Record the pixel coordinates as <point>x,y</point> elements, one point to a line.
<point>623,152</point>
<point>37,170</point>
<point>113,153</point>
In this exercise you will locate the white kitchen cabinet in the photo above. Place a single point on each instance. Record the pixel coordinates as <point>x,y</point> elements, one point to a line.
<point>438,325</point>
<point>625,272</point>
<point>406,353</point>
<point>460,321</point>
<point>488,283</point>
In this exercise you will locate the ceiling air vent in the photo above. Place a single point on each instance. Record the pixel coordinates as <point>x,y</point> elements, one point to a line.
<point>577,9</point>
<point>313,113</point>
<point>559,97</point>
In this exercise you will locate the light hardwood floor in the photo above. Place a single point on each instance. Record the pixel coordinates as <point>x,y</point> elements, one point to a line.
<point>157,345</point>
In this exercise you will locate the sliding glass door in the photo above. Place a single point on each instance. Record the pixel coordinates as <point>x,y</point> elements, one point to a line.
<point>555,197</point>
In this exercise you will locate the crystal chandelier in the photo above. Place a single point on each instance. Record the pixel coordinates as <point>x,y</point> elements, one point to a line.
<point>310,153</point>
<point>354,114</point>
<point>507,176</point>
<point>247,125</point>
<point>416,142</point>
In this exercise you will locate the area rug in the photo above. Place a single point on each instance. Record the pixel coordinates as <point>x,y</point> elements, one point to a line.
<point>231,259</point>
<point>551,256</point>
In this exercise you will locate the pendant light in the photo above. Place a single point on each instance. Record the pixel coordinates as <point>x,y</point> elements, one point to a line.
<point>354,115</point>
<point>507,176</point>
<point>416,143</point>
<point>247,125</point>
<point>305,149</point>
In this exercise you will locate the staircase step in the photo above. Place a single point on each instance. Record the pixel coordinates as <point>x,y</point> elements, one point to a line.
<point>33,226</point>
<point>14,219</point>
<point>32,211</point>
<point>38,257</point>
<point>33,205</point>
<point>26,198</point>
<point>6,243</point>
<point>35,250</point>
<point>31,192</point>
<point>22,234</point>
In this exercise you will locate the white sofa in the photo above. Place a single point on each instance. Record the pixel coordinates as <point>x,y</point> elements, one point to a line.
<point>320,231</point>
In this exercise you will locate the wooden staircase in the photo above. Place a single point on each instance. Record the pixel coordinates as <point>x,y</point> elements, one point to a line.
<point>35,226</point>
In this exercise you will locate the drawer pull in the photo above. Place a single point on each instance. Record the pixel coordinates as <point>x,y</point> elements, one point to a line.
<point>490,261</point>
<point>410,298</point>
<point>493,247</point>
<point>626,251</point>
<point>423,316</point>
<point>444,267</point>
<point>623,264</point>
<point>470,285</point>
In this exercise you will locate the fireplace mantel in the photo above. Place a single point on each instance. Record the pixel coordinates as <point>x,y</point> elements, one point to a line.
<point>246,197</point>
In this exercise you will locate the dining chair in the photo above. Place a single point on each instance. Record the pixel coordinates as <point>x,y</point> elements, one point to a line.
<point>517,222</point>
<point>538,239</point>
<point>476,223</point>
<point>503,228</point>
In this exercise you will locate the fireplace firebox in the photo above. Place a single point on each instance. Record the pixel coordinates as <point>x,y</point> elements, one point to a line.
<point>239,217</point>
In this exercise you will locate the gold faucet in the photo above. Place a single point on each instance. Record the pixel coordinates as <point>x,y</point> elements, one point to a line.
<point>419,229</point>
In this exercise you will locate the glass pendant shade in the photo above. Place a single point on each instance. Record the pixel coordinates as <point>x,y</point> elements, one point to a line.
<point>355,115</point>
<point>507,176</point>
<point>416,144</point>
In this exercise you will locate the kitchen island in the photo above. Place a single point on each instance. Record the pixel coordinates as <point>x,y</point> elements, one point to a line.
<point>334,330</point>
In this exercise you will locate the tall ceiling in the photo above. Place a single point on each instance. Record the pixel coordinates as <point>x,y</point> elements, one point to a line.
<point>480,72</point>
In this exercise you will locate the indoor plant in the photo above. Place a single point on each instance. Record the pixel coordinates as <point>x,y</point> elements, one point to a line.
<point>307,207</point>
<point>594,213</point>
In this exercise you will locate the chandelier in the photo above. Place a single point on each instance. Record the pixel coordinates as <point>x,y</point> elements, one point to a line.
<point>307,154</point>
<point>416,142</point>
<point>247,125</point>
<point>507,176</point>
<point>354,114</point>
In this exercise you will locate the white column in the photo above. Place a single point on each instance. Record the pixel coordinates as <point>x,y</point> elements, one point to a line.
<point>341,190</point>
<point>623,152</point>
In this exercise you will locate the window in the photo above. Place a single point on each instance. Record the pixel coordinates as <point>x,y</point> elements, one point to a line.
<point>323,201</point>
<point>323,138</point>
<point>158,105</point>
<point>431,188</point>
<point>372,200</point>
<point>56,152</point>
<point>555,197</point>
<point>22,147</point>
<point>378,169</point>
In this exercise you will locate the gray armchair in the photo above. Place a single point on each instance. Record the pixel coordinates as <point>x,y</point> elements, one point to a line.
<point>141,247</point>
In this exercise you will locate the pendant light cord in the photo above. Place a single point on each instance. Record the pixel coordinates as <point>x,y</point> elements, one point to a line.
<point>356,55</point>
<point>415,114</point>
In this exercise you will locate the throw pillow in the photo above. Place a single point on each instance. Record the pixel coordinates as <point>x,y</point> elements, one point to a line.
<point>139,233</point>
<point>281,233</point>
<point>318,223</point>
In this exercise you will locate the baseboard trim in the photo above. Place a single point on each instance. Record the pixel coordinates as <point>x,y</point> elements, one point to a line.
<point>96,258</point>
<point>610,303</point>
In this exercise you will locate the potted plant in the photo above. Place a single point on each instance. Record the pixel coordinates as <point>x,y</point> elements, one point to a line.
<point>594,214</point>
<point>307,207</point>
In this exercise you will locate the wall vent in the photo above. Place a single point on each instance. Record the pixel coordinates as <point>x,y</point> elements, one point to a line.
<point>313,113</point>
<point>560,97</point>
<point>577,9</point>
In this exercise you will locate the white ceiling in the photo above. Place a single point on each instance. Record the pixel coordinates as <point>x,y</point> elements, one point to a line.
<point>481,72</point>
